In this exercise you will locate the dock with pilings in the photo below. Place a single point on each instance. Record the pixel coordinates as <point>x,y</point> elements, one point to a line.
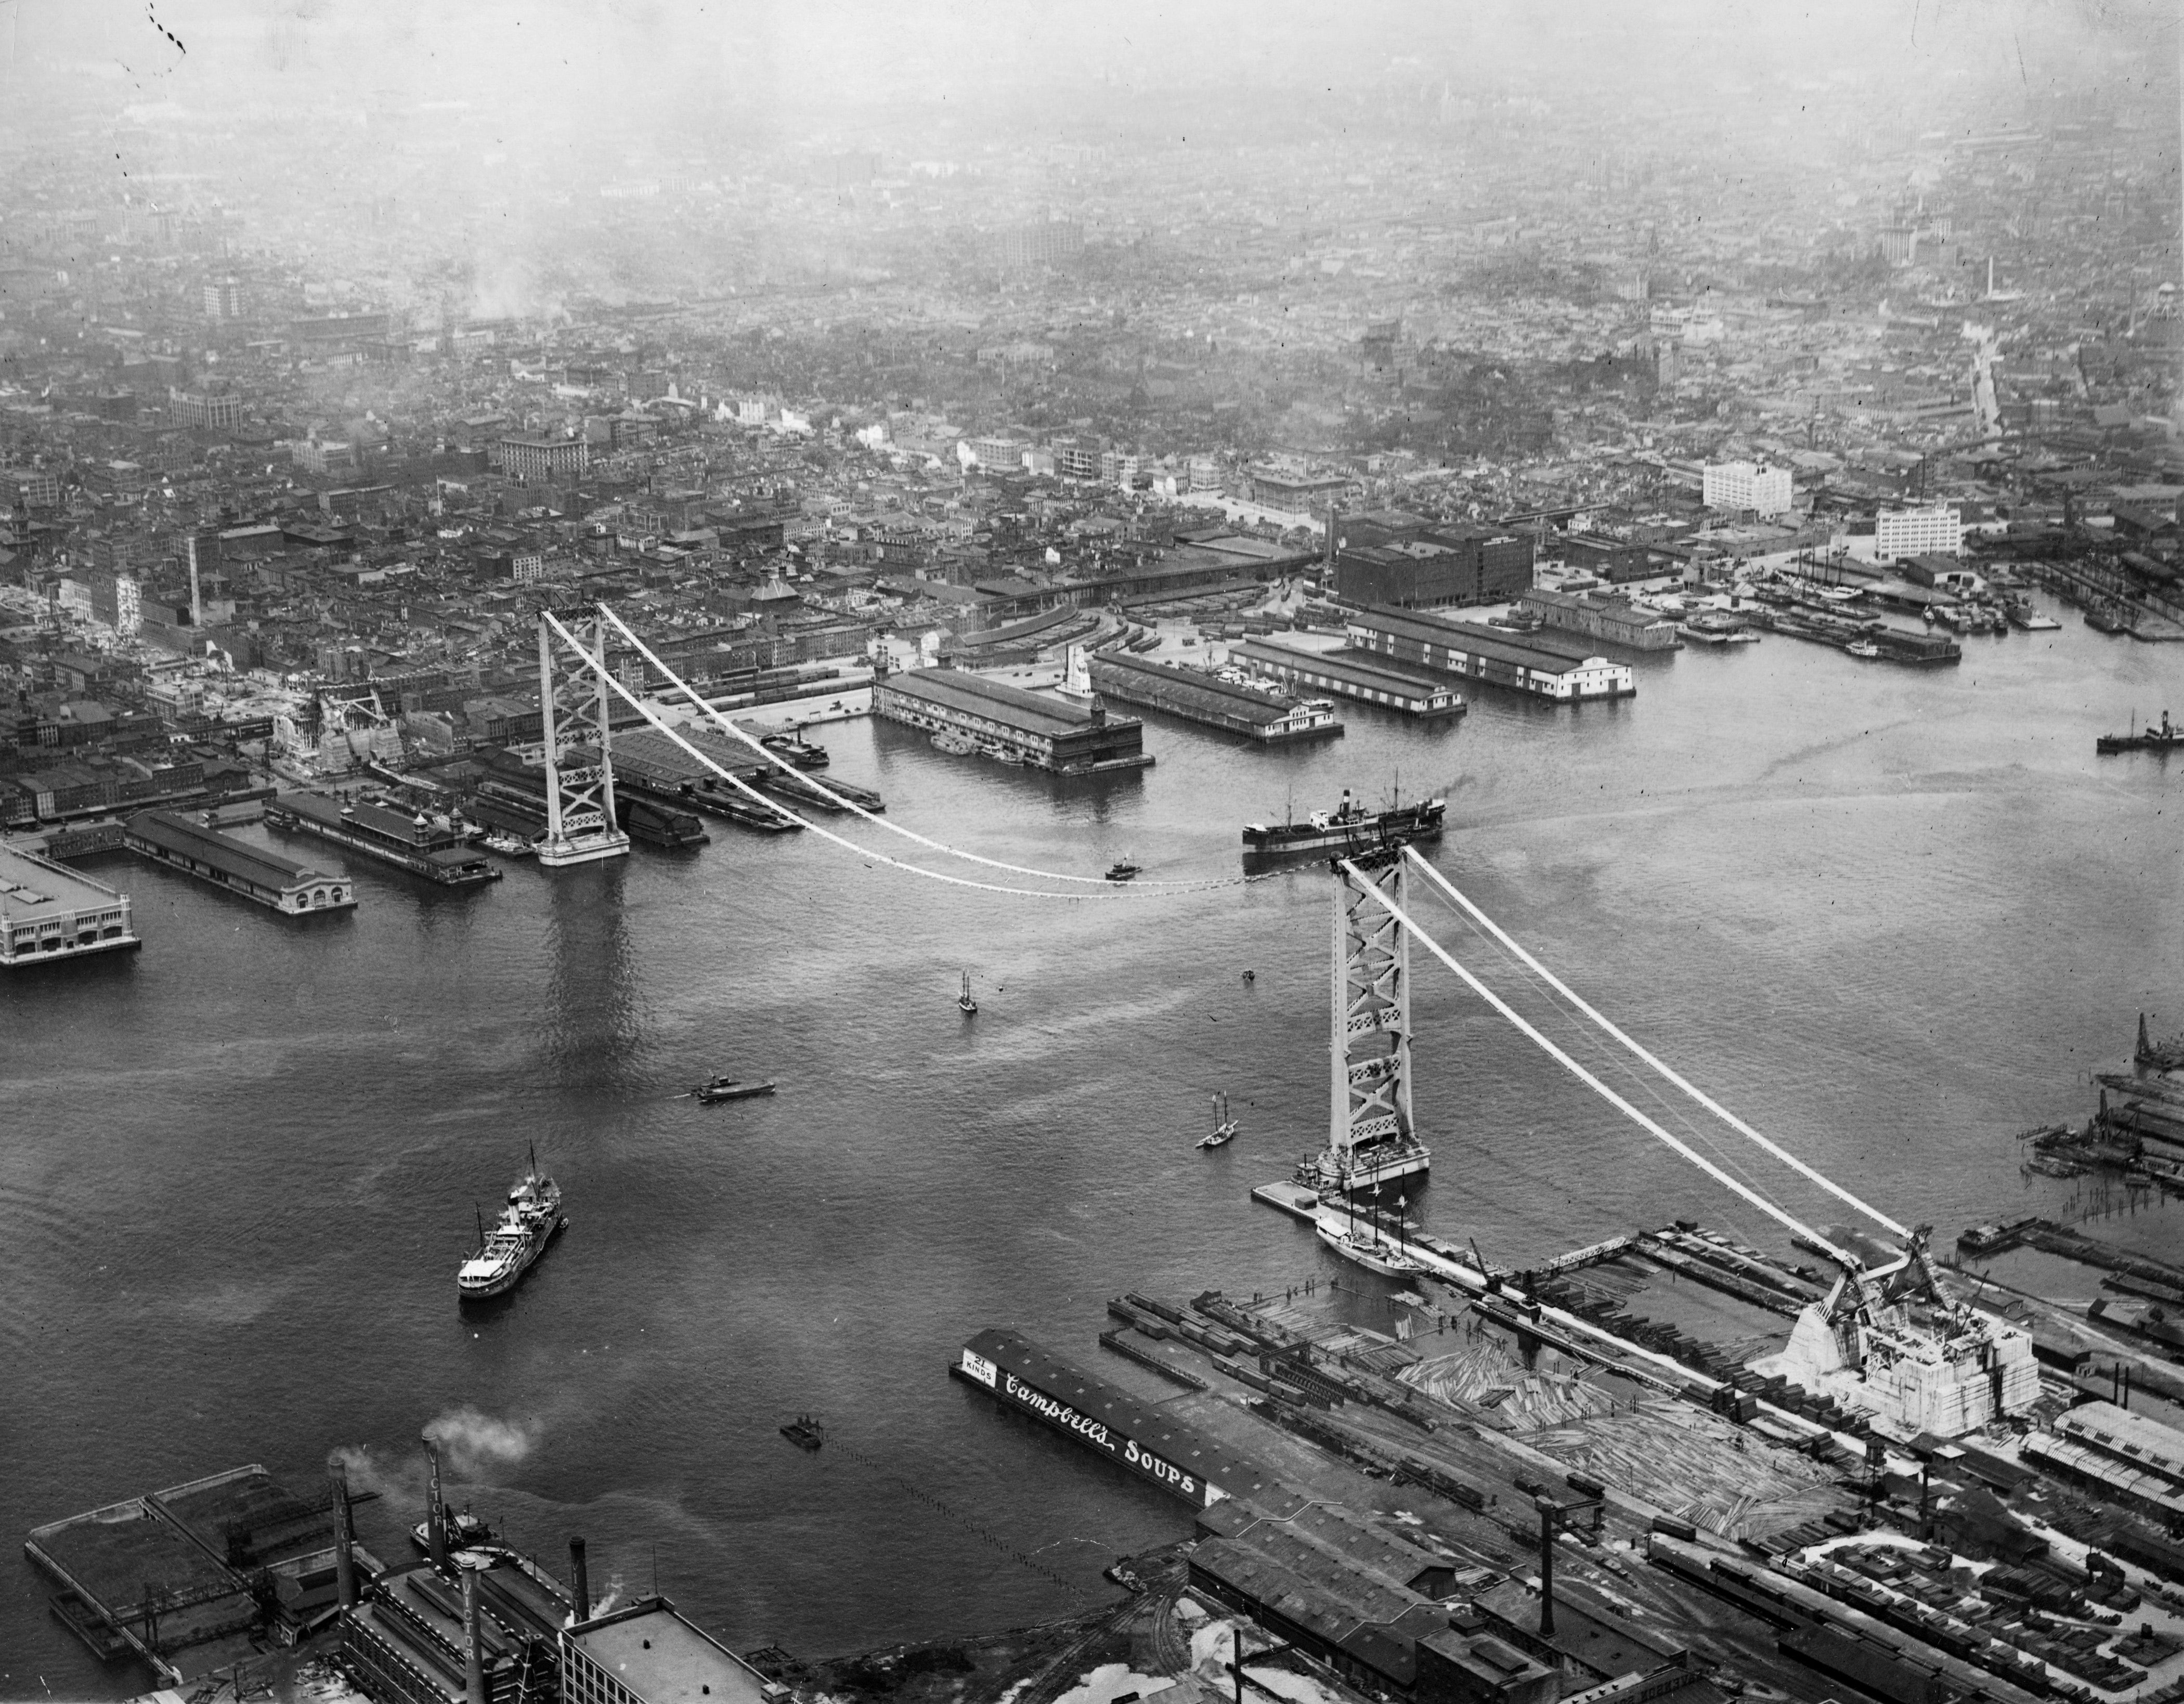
<point>1516,1304</point>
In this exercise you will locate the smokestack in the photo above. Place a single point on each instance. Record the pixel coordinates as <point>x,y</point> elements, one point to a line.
<point>580,1579</point>
<point>436,1512</point>
<point>1334,514</point>
<point>344,1562</point>
<point>473,1650</point>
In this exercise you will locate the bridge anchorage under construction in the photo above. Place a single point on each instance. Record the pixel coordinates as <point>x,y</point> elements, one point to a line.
<point>1889,1339</point>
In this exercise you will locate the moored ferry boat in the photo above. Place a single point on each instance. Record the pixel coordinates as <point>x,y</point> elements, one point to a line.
<point>526,1224</point>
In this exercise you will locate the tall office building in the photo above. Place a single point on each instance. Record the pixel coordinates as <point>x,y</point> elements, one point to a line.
<point>225,299</point>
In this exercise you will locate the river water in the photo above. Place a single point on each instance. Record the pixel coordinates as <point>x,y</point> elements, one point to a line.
<point>1891,917</point>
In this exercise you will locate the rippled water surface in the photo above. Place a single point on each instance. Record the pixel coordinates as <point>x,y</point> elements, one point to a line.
<point>1891,917</point>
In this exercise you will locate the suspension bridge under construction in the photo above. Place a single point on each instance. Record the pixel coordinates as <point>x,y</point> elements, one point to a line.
<point>1889,1339</point>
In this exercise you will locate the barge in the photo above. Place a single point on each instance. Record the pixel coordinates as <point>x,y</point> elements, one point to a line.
<point>793,784</point>
<point>444,856</point>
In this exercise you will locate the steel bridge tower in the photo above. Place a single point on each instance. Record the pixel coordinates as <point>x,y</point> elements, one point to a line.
<point>1371,1138</point>
<point>573,702</point>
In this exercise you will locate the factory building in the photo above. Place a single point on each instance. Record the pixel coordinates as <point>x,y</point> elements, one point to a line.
<point>49,912</point>
<point>1389,557</point>
<point>166,837</point>
<point>1615,620</point>
<point>1532,664</point>
<point>1936,531</point>
<point>649,1654</point>
<point>409,1640</point>
<point>1745,487</point>
<point>1042,732</point>
<point>1612,560</point>
<point>2135,1459</point>
<point>1361,1600</point>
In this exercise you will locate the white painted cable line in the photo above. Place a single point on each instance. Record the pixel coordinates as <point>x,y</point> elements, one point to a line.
<point>1697,1093</point>
<point>1653,1090</point>
<point>728,726</point>
<point>743,785</point>
<point>1614,1099</point>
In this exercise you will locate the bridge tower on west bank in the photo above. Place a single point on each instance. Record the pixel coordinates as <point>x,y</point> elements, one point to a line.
<point>574,701</point>
<point>1373,1141</point>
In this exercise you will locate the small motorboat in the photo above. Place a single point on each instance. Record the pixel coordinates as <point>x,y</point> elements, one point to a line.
<point>804,1432</point>
<point>1224,1126</point>
<point>964,1003</point>
<point>719,1088</point>
<point>1122,870</point>
<point>1864,648</point>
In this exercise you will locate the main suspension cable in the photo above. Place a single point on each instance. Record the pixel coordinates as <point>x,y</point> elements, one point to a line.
<point>1697,1093</point>
<point>926,841</point>
<point>1780,1215</point>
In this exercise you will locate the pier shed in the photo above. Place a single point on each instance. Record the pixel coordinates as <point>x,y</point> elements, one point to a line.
<point>280,883</point>
<point>1351,675</point>
<point>1134,1434</point>
<point>1042,733</point>
<point>50,912</point>
<point>1528,664</point>
<point>1266,717</point>
<point>171,1577</point>
<point>441,855</point>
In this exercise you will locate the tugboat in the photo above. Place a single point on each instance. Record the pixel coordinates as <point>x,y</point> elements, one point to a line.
<point>2166,738</point>
<point>715,1089</point>
<point>964,1003</point>
<point>1224,1126</point>
<point>804,1432</point>
<point>791,745</point>
<point>1122,870</point>
<point>465,1531</point>
<point>525,1226</point>
<point>1350,827</point>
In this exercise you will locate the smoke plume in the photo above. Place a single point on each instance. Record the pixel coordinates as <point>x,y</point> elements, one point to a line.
<point>472,1442</point>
